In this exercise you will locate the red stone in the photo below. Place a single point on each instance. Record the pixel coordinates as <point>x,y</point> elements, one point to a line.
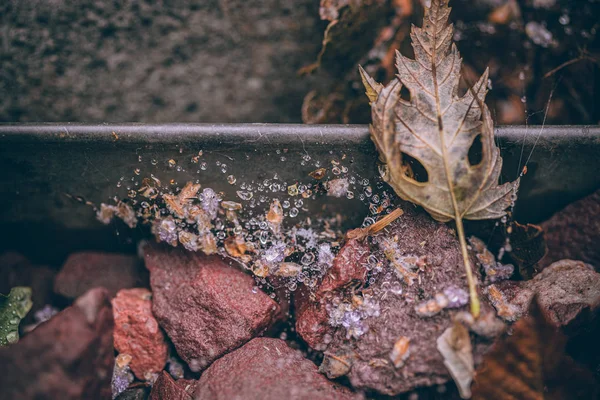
<point>348,266</point>
<point>311,316</point>
<point>86,270</point>
<point>166,388</point>
<point>567,291</point>
<point>137,332</point>
<point>267,369</point>
<point>70,356</point>
<point>206,307</point>
<point>573,233</point>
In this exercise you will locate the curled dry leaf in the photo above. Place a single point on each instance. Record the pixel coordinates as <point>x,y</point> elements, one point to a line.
<point>428,144</point>
<point>455,346</point>
<point>532,364</point>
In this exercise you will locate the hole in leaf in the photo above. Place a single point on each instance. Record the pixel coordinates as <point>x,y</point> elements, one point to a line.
<point>414,169</point>
<point>476,151</point>
<point>405,93</point>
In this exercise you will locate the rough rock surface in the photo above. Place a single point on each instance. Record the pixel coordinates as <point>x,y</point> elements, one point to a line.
<point>67,357</point>
<point>567,291</point>
<point>137,332</point>
<point>206,307</point>
<point>267,369</point>
<point>16,270</point>
<point>574,232</point>
<point>368,360</point>
<point>311,313</point>
<point>137,393</point>
<point>166,388</point>
<point>86,270</point>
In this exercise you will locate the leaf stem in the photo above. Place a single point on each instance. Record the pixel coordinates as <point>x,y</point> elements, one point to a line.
<point>475,307</point>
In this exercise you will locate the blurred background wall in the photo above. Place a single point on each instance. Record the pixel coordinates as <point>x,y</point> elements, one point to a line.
<point>281,60</point>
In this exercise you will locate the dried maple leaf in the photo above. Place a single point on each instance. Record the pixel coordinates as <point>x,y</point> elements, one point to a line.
<point>434,134</point>
<point>532,364</point>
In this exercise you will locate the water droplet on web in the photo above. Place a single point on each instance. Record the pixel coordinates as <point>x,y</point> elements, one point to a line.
<point>293,212</point>
<point>524,99</point>
<point>137,171</point>
<point>264,235</point>
<point>231,179</point>
<point>350,194</point>
<point>336,171</point>
<point>203,166</point>
<point>172,163</point>
<point>285,204</point>
<point>255,289</point>
<point>564,19</point>
<point>307,259</point>
<point>153,162</point>
<point>243,194</point>
<point>298,203</point>
<point>224,168</point>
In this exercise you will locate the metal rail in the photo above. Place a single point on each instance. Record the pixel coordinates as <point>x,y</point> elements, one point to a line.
<point>39,163</point>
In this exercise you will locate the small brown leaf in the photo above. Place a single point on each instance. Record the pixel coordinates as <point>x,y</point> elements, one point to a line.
<point>455,345</point>
<point>532,364</point>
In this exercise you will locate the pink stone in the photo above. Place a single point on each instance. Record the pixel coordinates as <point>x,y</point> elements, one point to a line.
<point>137,332</point>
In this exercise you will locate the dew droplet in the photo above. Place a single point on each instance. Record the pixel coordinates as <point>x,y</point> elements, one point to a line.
<point>294,212</point>
<point>203,166</point>
<point>307,259</point>
<point>564,19</point>
<point>153,162</point>
<point>231,179</point>
<point>172,163</point>
<point>244,195</point>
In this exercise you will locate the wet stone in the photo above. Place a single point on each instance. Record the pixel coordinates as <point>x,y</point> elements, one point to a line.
<point>398,350</point>
<point>166,388</point>
<point>41,365</point>
<point>267,369</point>
<point>86,270</point>
<point>206,307</point>
<point>567,291</point>
<point>137,332</point>
<point>312,316</point>
<point>573,233</point>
